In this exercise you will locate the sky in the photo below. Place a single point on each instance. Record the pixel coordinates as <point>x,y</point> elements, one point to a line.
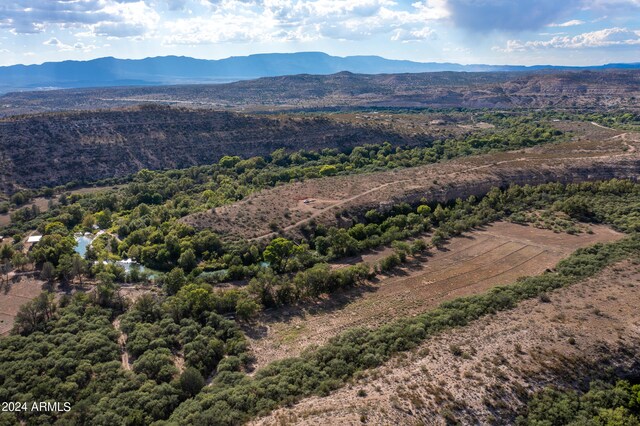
<point>527,32</point>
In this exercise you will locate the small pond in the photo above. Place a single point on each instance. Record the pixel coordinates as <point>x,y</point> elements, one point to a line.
<point>82,242</point>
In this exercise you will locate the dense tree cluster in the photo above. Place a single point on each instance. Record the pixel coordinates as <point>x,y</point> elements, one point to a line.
<point>603,404</point>
<point>71,354</point>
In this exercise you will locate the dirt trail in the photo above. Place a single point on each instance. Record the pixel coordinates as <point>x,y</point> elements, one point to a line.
<point>471,264</point>
<point>594,153</point>
<point>319,212</point>
<point>122,342</point>
<point>622,136</point>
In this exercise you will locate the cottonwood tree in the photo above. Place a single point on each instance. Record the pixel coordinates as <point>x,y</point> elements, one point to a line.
<point>279,252</point>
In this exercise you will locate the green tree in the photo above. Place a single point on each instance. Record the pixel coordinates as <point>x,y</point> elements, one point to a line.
<point>32,315</point>
<point>191,381</point>
<point>279,252</point>
<point>424,210</point>
<point>229,161</point>
<point>88,221</point>
<point>6,254</point>
<point>157,364</point>
<point>19,260</point>
<point>52,247</point>
<point>18,198</point>
<point>263,287</point>
<point>174,280</point>
<point>48,272</point>
<point>328,170</point>
<point>187,260</point>
<point>78,267</point>
<point>247,309</point>
<point>103,219</point>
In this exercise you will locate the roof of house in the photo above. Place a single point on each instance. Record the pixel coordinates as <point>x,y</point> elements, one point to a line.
<point>34,238</point>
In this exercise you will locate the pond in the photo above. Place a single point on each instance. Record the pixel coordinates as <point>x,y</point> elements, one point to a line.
<point>82,242</point>
<point>128,265</point>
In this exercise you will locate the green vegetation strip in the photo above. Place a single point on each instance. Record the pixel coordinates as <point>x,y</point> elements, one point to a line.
<point>233,398</point>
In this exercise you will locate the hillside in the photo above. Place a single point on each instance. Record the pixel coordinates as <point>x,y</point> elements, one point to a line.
<point>486,372</point>
<point>54,149</point>
<point>594,154</point>
<point>561,89</point>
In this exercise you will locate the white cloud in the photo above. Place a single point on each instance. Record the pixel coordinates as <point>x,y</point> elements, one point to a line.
<point>602,38</point>
<point>306,20</point>
<point>571,23</point>
<point>406,36</point>
<point>54,42</point>
<point>36,16</point>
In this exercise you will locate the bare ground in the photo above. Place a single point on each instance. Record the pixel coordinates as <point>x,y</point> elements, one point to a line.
<point>471,264</point>
<point>594,153</point>
<point>582,332</point>
<point>122,344</point>
<point>21,289</point>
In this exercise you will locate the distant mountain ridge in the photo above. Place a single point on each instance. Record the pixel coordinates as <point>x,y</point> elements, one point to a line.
<point>109,71</point>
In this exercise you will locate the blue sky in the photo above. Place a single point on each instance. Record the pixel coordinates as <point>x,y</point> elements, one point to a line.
<point>564,32</point>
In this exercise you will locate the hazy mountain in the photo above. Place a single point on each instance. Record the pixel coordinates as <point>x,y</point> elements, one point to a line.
<point>178,69</point>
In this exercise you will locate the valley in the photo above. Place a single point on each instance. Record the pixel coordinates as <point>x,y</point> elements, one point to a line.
<point>319,249</point>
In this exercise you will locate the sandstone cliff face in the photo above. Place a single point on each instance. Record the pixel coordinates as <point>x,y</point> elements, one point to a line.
<point>53,149</point>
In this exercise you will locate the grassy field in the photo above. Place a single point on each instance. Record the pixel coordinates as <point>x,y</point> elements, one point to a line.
<point>19,291</point>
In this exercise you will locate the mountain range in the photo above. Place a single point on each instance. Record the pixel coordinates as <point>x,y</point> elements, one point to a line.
<point>109,71</point>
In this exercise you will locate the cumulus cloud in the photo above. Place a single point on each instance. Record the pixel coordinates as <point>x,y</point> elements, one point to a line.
<point>407,36</point>
<point>306,20</point>
<point>35,16</point>
<point>602,38</point>
<point>55,42</point>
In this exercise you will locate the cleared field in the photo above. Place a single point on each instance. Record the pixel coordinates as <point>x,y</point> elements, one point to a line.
<point>469,265</point>
<point>595,153</point>
<point>20,290</point>
<point>501,359</point>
